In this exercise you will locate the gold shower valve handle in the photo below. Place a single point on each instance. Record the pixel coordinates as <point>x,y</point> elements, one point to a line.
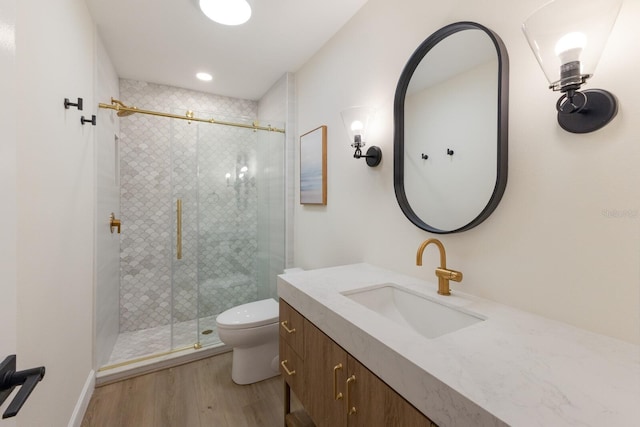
<point>114,222</point>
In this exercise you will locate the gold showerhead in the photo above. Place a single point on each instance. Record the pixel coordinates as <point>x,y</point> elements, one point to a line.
<point>122,113</point>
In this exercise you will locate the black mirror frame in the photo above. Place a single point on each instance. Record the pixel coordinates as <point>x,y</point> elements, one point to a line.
<point>502,125</point>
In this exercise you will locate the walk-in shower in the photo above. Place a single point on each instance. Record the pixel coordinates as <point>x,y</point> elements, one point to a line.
<point>202,212</point>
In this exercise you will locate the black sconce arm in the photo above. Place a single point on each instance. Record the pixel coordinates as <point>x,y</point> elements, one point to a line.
<point>586,111</point>
<point>358,154</point>
<point>373,155</point>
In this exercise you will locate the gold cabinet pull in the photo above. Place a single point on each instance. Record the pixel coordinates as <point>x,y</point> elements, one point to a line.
<point>284,366</point>
<point>179,229</point>
<point>350,409</point>
<point>286,328</point>
<point>336,368</point>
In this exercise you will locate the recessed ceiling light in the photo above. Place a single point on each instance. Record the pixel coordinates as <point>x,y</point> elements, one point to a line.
<point>227,12</point>
<point>205,77</point>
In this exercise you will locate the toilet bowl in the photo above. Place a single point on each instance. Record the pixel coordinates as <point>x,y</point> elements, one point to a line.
<point>252,330</point>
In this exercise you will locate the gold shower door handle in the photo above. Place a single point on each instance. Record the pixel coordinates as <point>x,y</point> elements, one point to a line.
<point>179,229</point>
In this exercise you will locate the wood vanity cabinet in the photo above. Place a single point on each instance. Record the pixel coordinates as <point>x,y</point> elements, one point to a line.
<point>336,390</point>
<point>291,346</point>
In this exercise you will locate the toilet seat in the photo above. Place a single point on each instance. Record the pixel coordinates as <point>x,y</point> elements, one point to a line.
<point>250,315</point>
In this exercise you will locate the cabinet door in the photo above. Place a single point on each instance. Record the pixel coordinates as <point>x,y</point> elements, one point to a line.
<point>325,376</point>
<point>366,397</point>
<point>291,327</point>
<point>291,367</point>
<point>402,413</point>
<point>372,403</point>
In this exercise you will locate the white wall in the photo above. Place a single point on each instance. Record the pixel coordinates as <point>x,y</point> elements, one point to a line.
<point>8,189</point>
<point>565,240</point>
<point>55,204</point>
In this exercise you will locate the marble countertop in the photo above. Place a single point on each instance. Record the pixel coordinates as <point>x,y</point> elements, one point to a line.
<point>514,368</point>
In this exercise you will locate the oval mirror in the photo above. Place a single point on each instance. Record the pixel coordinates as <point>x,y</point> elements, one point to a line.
<point>450,136</point>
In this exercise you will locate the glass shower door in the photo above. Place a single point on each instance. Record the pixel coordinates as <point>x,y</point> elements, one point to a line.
<point>184,234</point>
<point>228,225</point>
<point>271,212</point>
<point>241,194</point>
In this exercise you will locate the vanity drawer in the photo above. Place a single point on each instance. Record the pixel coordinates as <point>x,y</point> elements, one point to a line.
<point>291,367</point>
<point>291,327</point>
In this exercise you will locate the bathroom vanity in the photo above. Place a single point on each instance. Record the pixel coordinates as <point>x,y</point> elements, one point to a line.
<point>353,361</point>
<point>335,389</point>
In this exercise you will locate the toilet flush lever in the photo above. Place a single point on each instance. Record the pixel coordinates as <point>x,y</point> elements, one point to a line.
<point>114,222</point>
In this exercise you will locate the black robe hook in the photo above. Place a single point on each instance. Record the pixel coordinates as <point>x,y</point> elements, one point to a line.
<point>92,121</point>
<point>68,104</point>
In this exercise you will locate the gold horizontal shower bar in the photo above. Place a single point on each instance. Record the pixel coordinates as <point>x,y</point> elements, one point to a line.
<point>123,110</point>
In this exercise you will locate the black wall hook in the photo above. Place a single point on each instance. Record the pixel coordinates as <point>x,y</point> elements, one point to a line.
<point>424,156</point>
<point>68,104</point>
<point>92,121</point>
<point>449,152</point>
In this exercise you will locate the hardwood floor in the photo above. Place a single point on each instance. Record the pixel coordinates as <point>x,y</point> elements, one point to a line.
<point>197,394</point>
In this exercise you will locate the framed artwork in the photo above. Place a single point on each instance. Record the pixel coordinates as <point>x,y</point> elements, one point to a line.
<point>313,167</point>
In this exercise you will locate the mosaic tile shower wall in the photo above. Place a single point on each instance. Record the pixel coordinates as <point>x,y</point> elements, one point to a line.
<point>162,160</point>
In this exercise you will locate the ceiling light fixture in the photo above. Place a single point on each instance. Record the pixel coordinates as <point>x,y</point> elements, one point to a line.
<point>226,12</point>
<point>205,77</point>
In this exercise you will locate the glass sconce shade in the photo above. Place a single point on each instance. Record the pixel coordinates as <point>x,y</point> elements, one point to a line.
<point>568,36</point>
<point>226,12</point>
<point>356,122</point>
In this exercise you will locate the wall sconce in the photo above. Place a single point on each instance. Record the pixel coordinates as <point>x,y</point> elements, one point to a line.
<point>356,121</point>
<point>567,38</point>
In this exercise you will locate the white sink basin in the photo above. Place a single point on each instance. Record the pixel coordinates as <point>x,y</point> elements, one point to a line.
<point>429,318</point>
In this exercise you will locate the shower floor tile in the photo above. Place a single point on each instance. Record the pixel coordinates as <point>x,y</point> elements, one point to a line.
<point>136,344</point>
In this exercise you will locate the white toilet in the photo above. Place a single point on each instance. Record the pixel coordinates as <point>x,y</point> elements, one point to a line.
<point>252,330</point>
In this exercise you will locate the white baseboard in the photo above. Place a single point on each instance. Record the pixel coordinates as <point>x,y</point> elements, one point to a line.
<point>83,400</point>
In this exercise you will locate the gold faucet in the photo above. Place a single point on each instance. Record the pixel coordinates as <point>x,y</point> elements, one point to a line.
<point>442,273</point>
